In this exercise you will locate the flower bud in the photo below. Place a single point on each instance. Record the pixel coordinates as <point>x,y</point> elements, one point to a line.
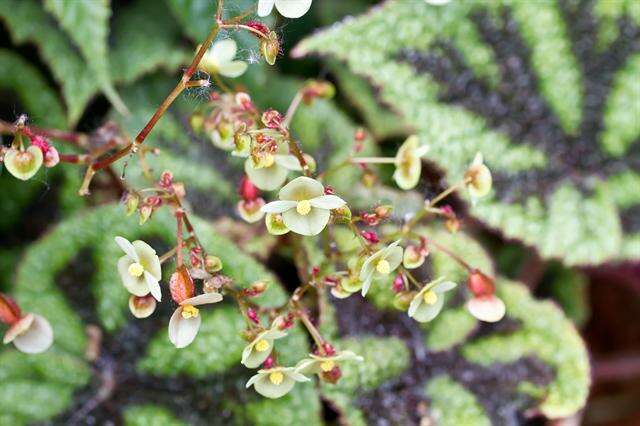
<point>332,376</point>
<point>384,211</point>
<point>258,287</point>
<point>142,307</point>
<point>51,158</point>
<point>9,310</point>
<point>272,118</point>
<point>275,224</point>
<point>398,283</point>
<point>270,47</point>
<point>259,26</point>
<point>413,257</point>
<point>478,178</point>
<point>23,164</point>
<point>250,210</point>
<point>212,264</point>
<point>403,299</point>
<point>370,236</point>
<point>181,285</point>
<point>131,201</point>
<point>480,284</point>
<point>244,100</point>
<point>145,213</point>
<point>248,190</point>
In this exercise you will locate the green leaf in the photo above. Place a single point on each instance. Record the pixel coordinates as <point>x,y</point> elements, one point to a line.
<point>534,177</point>
<point>35,95</point>
<point>150,415</point>
<point>87,24</point>
<point>609,13</point>
<point>67,67</point>
<point>146,37</point>
<point>300,406</point>
<point>453,405</point>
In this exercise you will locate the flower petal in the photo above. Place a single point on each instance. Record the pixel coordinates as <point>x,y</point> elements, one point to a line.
<point>444,286</point>
<point>308,366</point>
<point>18,328</point>
<point>327,202</point>
<point>293,8</point>
<point>37,339</point>
<point>148,259</point>
<point>153,285</point>
<point>394,256</point>
<point>134,285</point>
<point>224,51</point>
<point>278,206</point>
<point>183,331</point>
<point>251,358</point>
<point>266,178</point>
<point>127,247</point>
<point>425,312</point>
<point>232,69</point>
<point>265,7</point>
<point>288,161</point>
<point>266,388</point>
<point>366,282</point>
<point>488,308</point>
<point>310,224</point>
<point>301,188</point>
<point>203,299</point>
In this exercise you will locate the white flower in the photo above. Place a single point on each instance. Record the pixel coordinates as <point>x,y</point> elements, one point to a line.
<point>185,321</point>
<point>317,364</point>
<point>31,334</point>
<point>489,308</point>
<point>380,264</point>
<point>287,8</point>
<point>23,164</point>
<point>256,352</point>
<point>139,268</point>
<point>304,207</point>
<point>428,302</point>
<point>219,59</point>
<point>276,382</point>
<point>274,171</point>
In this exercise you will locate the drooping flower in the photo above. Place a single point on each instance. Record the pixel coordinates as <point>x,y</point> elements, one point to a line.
<point>408,163</point>
<point>142,307</point>
<point>29,333</point>
<point>304,207</point>
<point>287,8</point>
<point>428,302</point>
<point>380,265</point>
<point>185,321</point>
<point>275,224</point>
<point>139,268</point>
<point>484,305</point>
<point>23,164</point>
<point>250,210</point>
<point>219,59</point>
<point>414,256</point>
<point>256,352</point>
<point>318,364</point>
<point>276,382</point>
<point>478,178</point>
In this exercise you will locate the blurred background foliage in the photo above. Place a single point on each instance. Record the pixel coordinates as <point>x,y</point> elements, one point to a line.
<point>548,91</point>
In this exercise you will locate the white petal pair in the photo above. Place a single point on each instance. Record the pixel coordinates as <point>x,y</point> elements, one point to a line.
<point>287,8</point>
<point>183,331</point>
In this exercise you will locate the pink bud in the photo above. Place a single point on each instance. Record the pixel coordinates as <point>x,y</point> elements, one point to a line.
<point>51,157</point>
<point>253,315</point>
<point>41,143</point>
<point>370,236</point>
<point>272,118</point>
<point>268,363</point>
<point>480,284</point>
<point>328,190</point>
<point>248,190</point>
<point>166,180</point>
<point>328,348</point>
<point>398,283</point>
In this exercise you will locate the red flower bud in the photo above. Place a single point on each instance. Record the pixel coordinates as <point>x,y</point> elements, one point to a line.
<point>259,26</point>
<point>398,283</point>
<point>166,180</point>
<point>9,310</point>
<point>332,376</point>
<point>181,285</point>
<point>370,219</point>
<point>41,143</point>
<point>370,236</point>
<point>328,349</point>
<point>253,315</point>
<point>248,190</point>
<point>272,118</point>
<point>268,363</point>
<point>480,284</point>
<point>328,190</point>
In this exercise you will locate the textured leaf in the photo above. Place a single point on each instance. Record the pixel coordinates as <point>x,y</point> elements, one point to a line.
<point>67,67</point>
<point>87,24</point>
<point>300,406</point>
<point>146,37</point>
<point>453,405</point>
<point>608,13</point>
<point>150,415</point>
<point>539,166</point>
<point>37,98</point>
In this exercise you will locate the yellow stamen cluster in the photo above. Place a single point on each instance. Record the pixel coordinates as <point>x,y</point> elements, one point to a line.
<point>327,365</point>
<point>383,266</point>
<point>430,297</point>
<point>276,377</point>
<point>189,311</point>
<point>136,269</point>
<point>303,207</point>
<point>262,345</point>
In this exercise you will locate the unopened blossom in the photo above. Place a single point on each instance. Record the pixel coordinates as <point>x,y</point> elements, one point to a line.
<point>139,268</point>
<point>29,333</point>
<point>51,157</point>
<point>304,207</point>
<point>142,307</point>
<point>256,352</point>
<point>408,163</point>
<point>23,164</point>
<point>478,178</point>
<point>414,257</point>
<point>380,265</point>
<point>484,305</point>
<point>287,8</point>
<point>275,224</point>
<point>276,382</point>
<point>318,364</point>
<point>219,59</point>
<point>185,321</point>
<point>428,302</point>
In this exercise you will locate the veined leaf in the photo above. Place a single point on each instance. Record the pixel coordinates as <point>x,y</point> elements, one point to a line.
<point>87,24</point>
<point>533,127</point>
